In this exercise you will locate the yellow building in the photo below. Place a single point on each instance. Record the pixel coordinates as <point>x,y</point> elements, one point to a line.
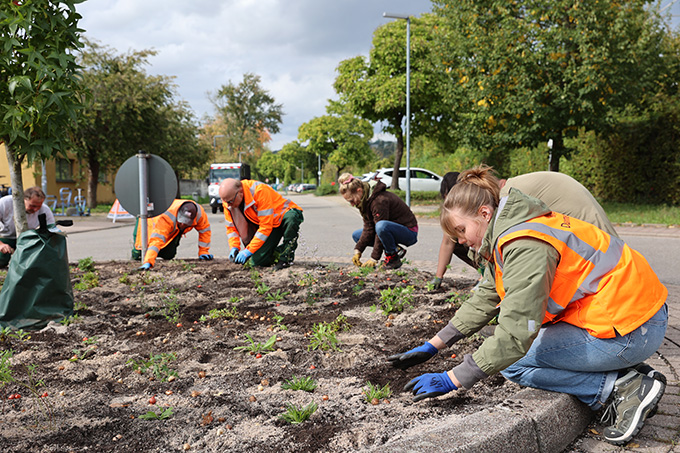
<point>61,173</point>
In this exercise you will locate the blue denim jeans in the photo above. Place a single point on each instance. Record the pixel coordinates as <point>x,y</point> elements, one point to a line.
<point>391,234</point>
<point>567,359</point>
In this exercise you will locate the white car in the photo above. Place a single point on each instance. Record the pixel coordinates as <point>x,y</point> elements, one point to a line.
<point>421,179</point>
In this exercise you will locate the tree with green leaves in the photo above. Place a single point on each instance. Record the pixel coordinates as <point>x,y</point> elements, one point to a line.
<point>249,115</point>
<point>339,137</point>
<point>524,73</point>
<point>39,78</point>
<point>375,88</point>
<point>129,110</point>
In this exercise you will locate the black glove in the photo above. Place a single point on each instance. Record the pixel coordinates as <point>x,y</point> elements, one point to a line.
<point>415,356</point>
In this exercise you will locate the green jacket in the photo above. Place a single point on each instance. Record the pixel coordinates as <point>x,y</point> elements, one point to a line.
<point>528,272</point>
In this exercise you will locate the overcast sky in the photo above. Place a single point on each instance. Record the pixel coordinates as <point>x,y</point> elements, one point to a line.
<point>294,45</point>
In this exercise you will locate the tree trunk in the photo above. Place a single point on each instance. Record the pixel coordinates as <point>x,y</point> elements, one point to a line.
<point>17,190</point>
<point>92,180</point>
<point>397,160</point>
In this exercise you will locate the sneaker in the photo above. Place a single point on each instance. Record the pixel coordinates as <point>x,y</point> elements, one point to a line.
<point>392,261</point>
<point>647,370</point>
<point>401,252</point>
<point>633,398</point>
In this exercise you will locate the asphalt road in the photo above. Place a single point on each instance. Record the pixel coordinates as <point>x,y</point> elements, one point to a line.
<point>326,236</point>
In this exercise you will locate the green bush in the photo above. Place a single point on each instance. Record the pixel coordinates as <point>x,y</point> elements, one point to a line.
<point>326,189</point>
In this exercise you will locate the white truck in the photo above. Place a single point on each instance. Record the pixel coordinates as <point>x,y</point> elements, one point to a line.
<point>220,172</point>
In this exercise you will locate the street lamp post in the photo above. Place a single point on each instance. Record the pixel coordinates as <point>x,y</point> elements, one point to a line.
<point>215,142</point>
<point>408,101</point>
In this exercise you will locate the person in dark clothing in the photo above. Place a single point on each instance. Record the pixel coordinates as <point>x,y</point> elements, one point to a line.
<point>388,222</point>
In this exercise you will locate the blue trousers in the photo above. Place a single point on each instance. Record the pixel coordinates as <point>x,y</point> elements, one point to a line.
<point>391,234</point>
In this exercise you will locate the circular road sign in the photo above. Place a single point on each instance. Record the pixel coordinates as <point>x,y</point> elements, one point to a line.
<point>161,183</point>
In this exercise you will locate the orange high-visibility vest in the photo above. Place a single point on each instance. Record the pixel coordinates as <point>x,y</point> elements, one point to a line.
<point>163,229</point>
<point>264,207</point>
<point>600,284</point>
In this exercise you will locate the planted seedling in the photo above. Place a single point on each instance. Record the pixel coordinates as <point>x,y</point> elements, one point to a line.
<point>157,364</point>
<point>160,415</point>
<point>307,384</point>
<point>307,280</point>
<point>395,300</point>
<point>86,264</point>
<point>456,299</point>
<point>277,296</point>
<point>373,393</point>
<point>279,322</point>
<point>262,288</point>
<point>220,313</point>
<point>89,280</point>
<point>255,348</point>
<point>82,355</point>
<point>361,272</point>
<point>67,321</point>
<point>295,414</point>
<point>7,334</point>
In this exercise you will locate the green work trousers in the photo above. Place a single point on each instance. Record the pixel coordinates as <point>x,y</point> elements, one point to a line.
<point>287,233</point>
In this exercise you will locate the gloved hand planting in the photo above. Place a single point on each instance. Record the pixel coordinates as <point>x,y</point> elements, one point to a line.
<point>243,256</point>
<point>435,283</point>
<point>145,267</point>
<point>415,356</point>
<point>232,254</point>
<point>430,385</point>
<point>370,263</point>
<point>205,257</point>
<point>356,259</point>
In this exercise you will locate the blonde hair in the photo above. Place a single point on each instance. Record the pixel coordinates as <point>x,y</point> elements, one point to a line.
<point>475,188</point>
<point>349,183</point>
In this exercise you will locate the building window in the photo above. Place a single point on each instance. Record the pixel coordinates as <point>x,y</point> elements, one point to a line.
<point>64,169</point>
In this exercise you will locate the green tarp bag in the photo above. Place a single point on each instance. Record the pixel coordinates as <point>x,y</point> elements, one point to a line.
<point>37,288</point>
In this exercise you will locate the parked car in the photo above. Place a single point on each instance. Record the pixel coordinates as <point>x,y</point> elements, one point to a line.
<point>421,179</point>
<point>305,187</point>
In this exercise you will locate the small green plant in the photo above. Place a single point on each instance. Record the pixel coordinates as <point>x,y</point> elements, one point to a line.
<point>307,280</point>
<point>456,299</point>
<point>277,296</point>
<point>262,288</point>
<point>358,286</point>
<point>401,273</point>
<point>361,272</point>
<point>312,295</point>
<point>125,279</point>
<point>220,313</point>
<point>186,267</point>
<point>7,334</point>
<point>67,321</point>
<point>307,384</point>
<point>324,338</point>
<point>162,414</point>
<point>157,364</point>
<point>255,276</point>
<point>171,310</point>
<point>394,300</point>
<point>86,264</point>
<point>279,322</point>
<point>375,392</point>
<point>80,306</point>
<point>255,348</point>
<point>87,281</point>
<point>295,414</point>
<point>82,355</point>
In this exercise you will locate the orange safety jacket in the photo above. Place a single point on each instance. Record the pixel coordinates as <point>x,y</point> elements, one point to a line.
<point>162,229</point>
<point>600,284</point>
<point>264,207</point>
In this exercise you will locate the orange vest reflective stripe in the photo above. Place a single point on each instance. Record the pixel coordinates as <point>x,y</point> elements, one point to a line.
<point>600,284</point>
<point>264,207</point>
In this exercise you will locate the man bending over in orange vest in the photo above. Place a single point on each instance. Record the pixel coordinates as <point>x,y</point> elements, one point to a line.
<point>166,230</point>
<point>260,217</point>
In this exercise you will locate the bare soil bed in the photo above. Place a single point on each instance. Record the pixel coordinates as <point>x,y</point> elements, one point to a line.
<point>95,391</point>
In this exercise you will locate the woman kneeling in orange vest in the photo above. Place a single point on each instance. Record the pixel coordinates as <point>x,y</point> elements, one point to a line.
<point>578,310</point>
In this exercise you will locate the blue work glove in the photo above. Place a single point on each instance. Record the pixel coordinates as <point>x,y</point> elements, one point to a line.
<point>243,256</point>
<point>145,267</point>
<point>232,254</point>
<point>430,385</point>
<point>205,257</point>
<point>415,356</point>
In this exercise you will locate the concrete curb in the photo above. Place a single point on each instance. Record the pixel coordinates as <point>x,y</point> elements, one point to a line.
<point>531,421</point>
